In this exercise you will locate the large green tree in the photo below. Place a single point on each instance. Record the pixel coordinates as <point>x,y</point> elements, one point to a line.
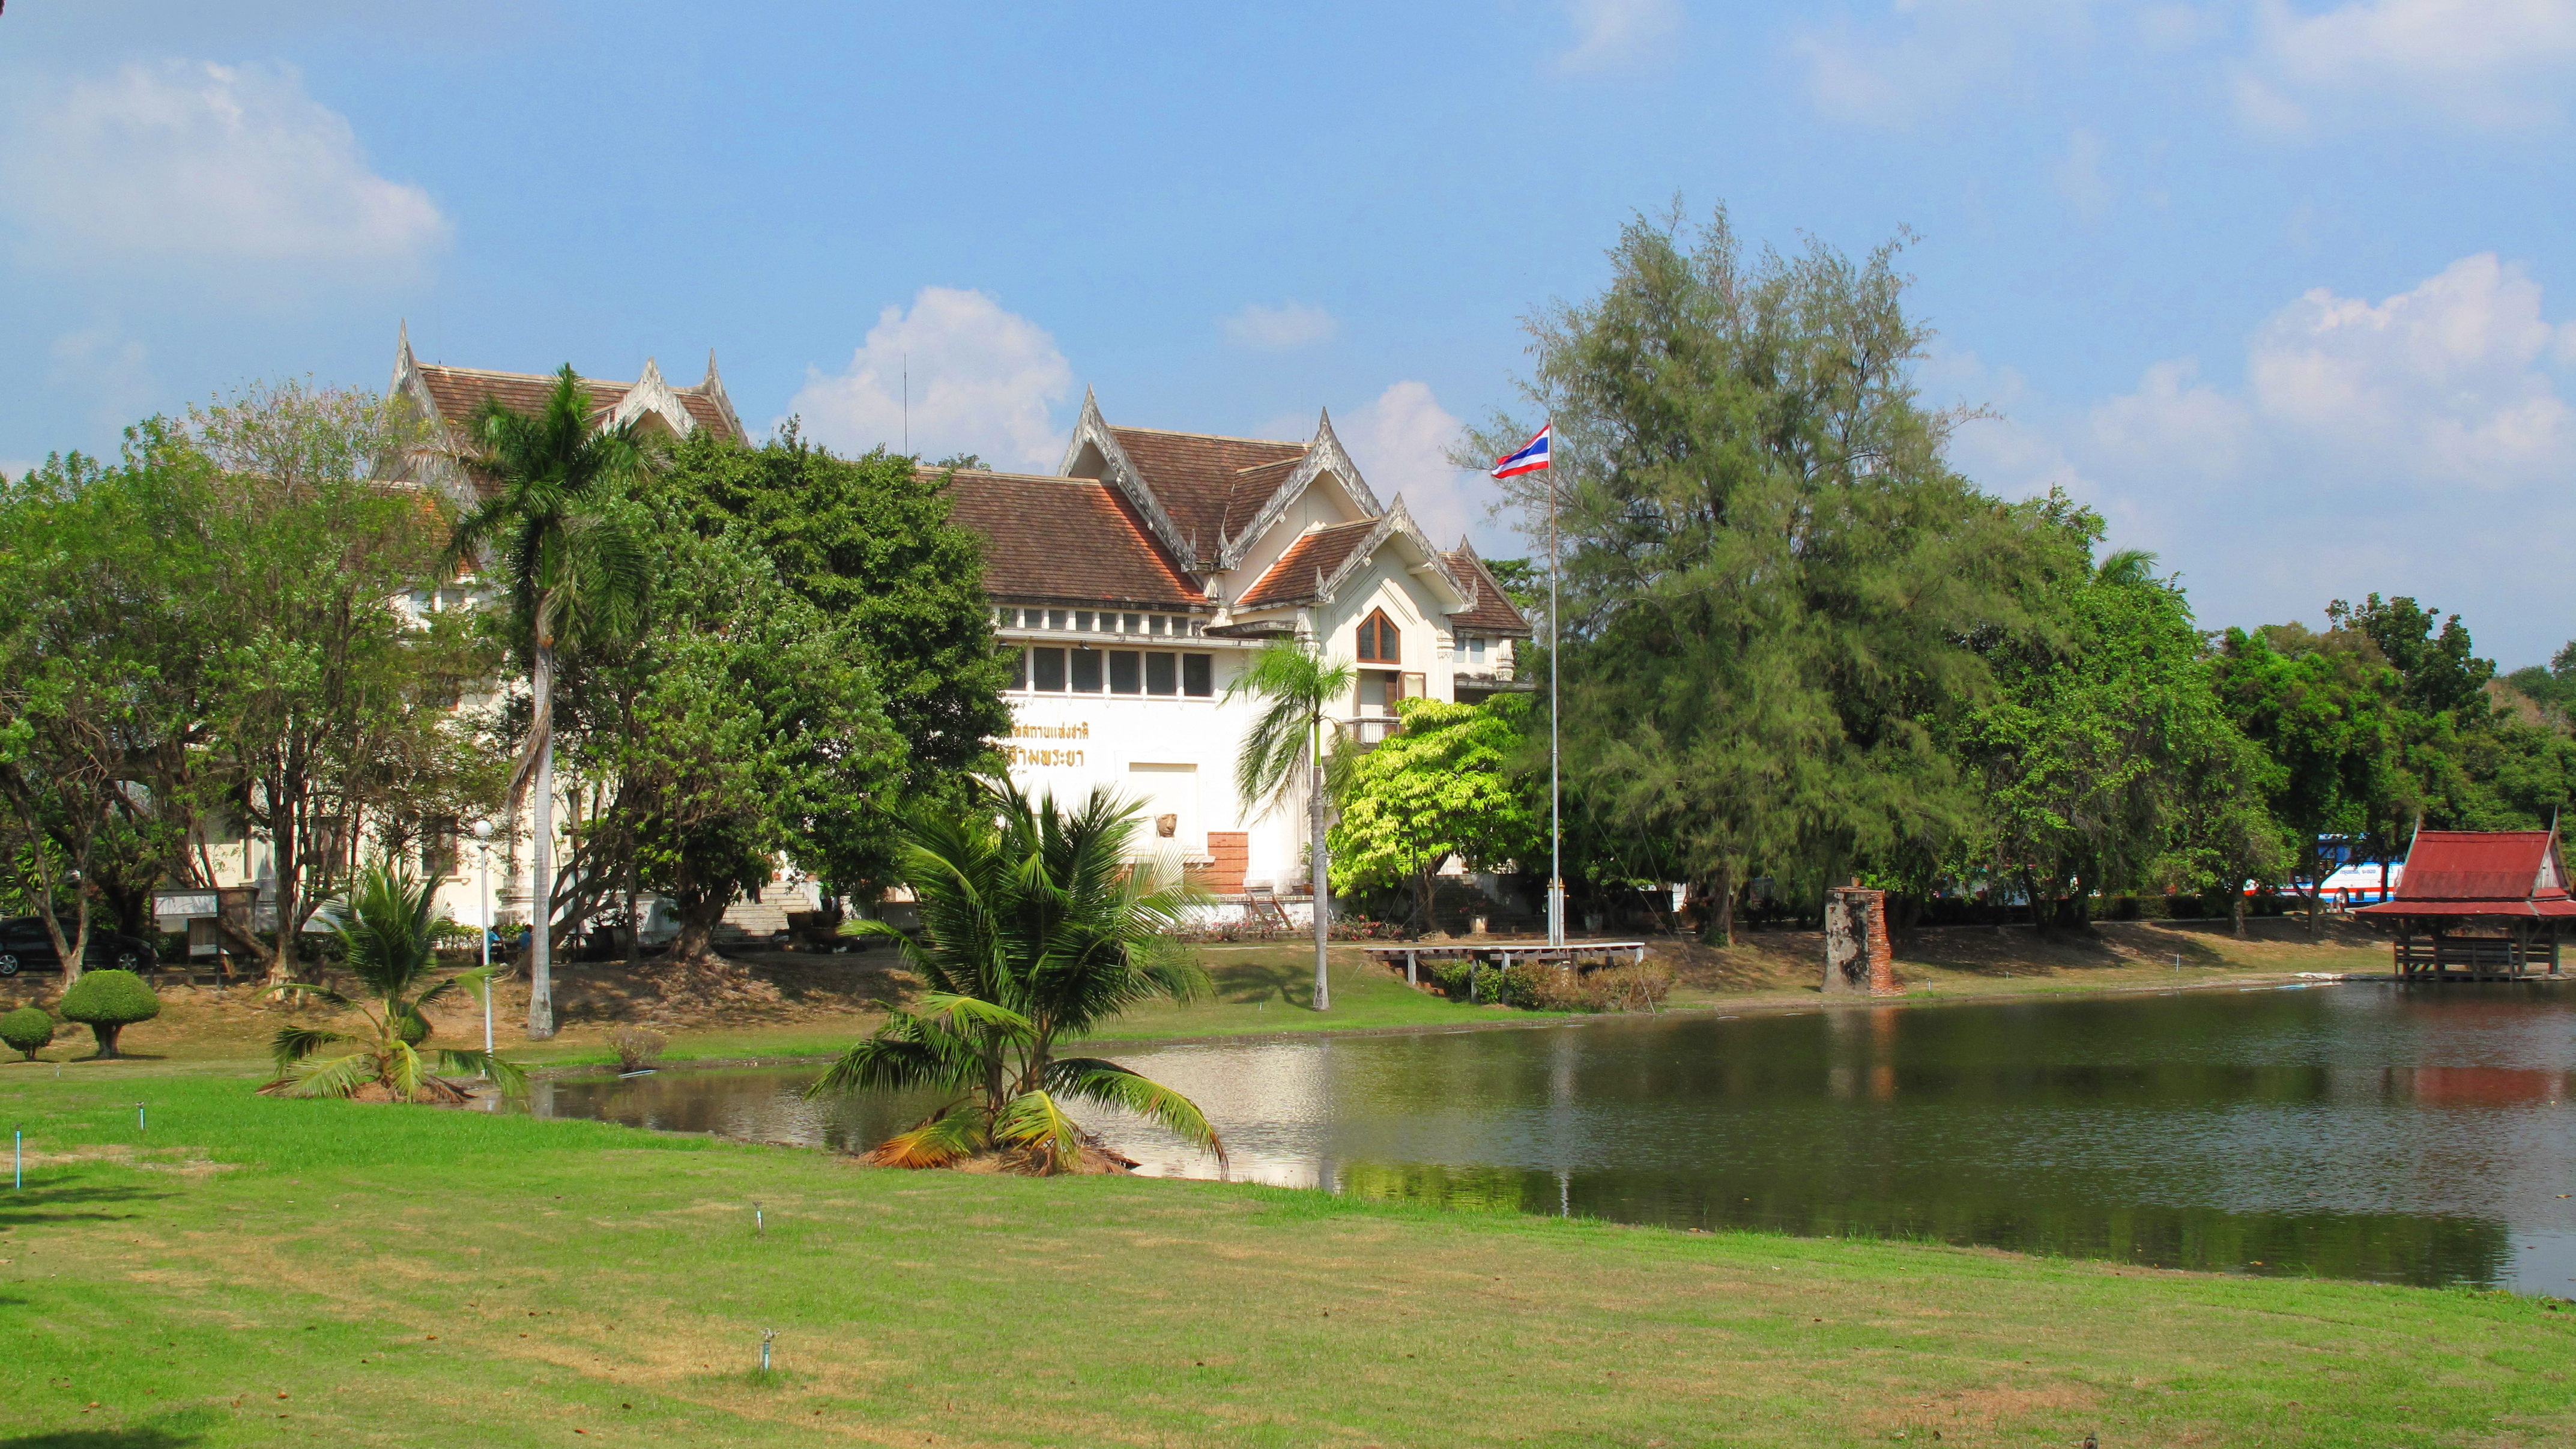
<point>739,724</point>
<point>868,541</point>
<point>1773,580</point>
<point>1440,786</point>
<point>2104,760</point>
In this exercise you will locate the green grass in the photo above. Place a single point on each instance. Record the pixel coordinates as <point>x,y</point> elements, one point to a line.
<point>256,1272</point>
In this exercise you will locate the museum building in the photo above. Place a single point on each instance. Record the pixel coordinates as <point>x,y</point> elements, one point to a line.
<point>1131,586</point>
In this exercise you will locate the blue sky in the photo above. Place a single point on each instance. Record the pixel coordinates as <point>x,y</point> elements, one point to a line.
<point>2285,290</point>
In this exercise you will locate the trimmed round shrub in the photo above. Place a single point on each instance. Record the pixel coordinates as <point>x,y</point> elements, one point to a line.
<point>28,1029</point>
<point>107,1002</point>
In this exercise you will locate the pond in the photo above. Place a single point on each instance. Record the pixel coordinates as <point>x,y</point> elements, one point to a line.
<point>2408,1134</point>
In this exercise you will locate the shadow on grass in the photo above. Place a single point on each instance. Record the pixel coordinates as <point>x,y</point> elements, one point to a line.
<point>148,1437</point>
<point>1249,982</point>
<point>66,1205</point>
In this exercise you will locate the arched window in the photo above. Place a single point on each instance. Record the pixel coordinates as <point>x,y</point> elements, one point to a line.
<point>1378,641</point>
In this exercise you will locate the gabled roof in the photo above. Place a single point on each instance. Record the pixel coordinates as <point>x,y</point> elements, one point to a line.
<point>1316,565</point>
<point>448,396</point>
<point>1208,496</point>
<point>1073,539</point>
<point>1493,611</point>
<point>1304,571</point>
<point>1210,485</point>
<point>2481,872</point>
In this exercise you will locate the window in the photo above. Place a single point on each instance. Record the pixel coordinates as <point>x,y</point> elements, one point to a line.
<point>1162,674</point>
<point>1082,621</point>
<point>1198,675</point>
<point>1378,640</point>
<point>1019,669</point>
<point>1154,624</point>
<point>1476,649</point>
<point>1379,690</point>
<point>1131,624</point>
<point>1055,618</point>
<point>1047,667</point>
<point>1086,671</point>
<point>1126,673</point>
<point>438,846</point>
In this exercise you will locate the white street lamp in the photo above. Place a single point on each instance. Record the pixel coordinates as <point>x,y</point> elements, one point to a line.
<point>483,838</point>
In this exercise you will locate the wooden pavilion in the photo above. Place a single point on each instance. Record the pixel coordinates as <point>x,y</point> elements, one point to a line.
<point>2479,905</point>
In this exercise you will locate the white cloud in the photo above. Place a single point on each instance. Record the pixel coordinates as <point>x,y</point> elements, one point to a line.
<point>1401,442</point>
<point>204,167</point>
<point>2419,444</point>
<point>1928,55</point>
<point>2486,63</point>
<point>981,380</point>
<point>1615,34</point>
<point>1277,329</point>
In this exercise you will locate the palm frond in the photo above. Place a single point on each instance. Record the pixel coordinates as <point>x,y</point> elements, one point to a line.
<point>955,1131</point>
<point>1035,1122</point>
<point>329,1077</point>
<point>902,1054</point>
<point>404,1071</point>
<point>510,1077</point>
<point>951,1008</point>
<point>1096,1080</point>
<point>293,1044</point>
<point>309,991</point>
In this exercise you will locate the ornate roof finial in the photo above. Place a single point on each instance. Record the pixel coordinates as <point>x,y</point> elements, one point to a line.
<point>711,367</point>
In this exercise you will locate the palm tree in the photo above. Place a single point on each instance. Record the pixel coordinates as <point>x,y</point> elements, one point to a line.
<point>575,575</point>
<point>1297,687</point>
<point>385,924</point>
<point>1034,928</point>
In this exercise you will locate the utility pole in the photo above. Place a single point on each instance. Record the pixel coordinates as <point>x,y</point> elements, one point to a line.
<point>1555,815</point>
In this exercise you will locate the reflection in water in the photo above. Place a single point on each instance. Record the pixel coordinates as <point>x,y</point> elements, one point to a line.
<point>2414,1134</point>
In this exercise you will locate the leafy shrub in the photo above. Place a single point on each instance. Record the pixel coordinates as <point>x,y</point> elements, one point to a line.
<point>107,1002</point>
<point>637,1049</point>
<point>28,1029</point>
<point>1539,986</point>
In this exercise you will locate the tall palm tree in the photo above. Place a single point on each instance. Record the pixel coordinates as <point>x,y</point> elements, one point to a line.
<point>1297,687</point>
<point>1035,927</point>
<point>386,925</point>
<point>574,574</point>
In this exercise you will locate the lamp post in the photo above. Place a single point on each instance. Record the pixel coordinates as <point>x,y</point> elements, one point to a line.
<point>483,841</point>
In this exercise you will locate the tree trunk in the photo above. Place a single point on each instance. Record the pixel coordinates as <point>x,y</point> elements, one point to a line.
<point>700,914</point>
<point>286,866</point>
<point>2237,910</point>
<point>1719,929</point>
<point>1323,885</point>
<point>541,872</point>
<point>634,916</point>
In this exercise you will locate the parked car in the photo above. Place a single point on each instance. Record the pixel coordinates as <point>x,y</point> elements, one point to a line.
<point>25,945</point>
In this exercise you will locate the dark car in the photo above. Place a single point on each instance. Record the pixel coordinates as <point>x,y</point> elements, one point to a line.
<point>25,945</point>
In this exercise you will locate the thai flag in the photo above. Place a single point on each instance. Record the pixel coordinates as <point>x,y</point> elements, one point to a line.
<point>1531,457</point>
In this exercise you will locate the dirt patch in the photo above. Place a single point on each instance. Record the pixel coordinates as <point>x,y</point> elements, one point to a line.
<point>1774,960</point>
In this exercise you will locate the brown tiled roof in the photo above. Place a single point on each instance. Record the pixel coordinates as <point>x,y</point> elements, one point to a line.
<point>1211,486</point>
<point>1494,612</point>
<point>458,391</point>
<point>1317,553</point>
<point>1066,538</point>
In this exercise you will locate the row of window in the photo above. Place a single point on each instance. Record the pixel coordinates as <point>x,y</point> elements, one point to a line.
<point>1100,621</point>
<point>1114,671</point>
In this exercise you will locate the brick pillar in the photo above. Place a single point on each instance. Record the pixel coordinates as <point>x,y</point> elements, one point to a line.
<point>1858,960</point>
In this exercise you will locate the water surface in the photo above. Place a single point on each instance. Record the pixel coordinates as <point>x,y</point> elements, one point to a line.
<point>2410,1134</point>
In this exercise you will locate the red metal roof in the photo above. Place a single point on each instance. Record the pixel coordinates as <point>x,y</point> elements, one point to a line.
<point>2481,872</point>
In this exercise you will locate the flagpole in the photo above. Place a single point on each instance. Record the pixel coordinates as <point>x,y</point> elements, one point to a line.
<point>1555,813</point>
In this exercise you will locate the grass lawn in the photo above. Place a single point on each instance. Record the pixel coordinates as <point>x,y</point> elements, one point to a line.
<point>254,1272</point>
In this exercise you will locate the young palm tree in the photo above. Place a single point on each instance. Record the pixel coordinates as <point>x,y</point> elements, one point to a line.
<point>391,939</point>
<point>1034,927</point>
<point>573,574</point>
<point>1297,687</point>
